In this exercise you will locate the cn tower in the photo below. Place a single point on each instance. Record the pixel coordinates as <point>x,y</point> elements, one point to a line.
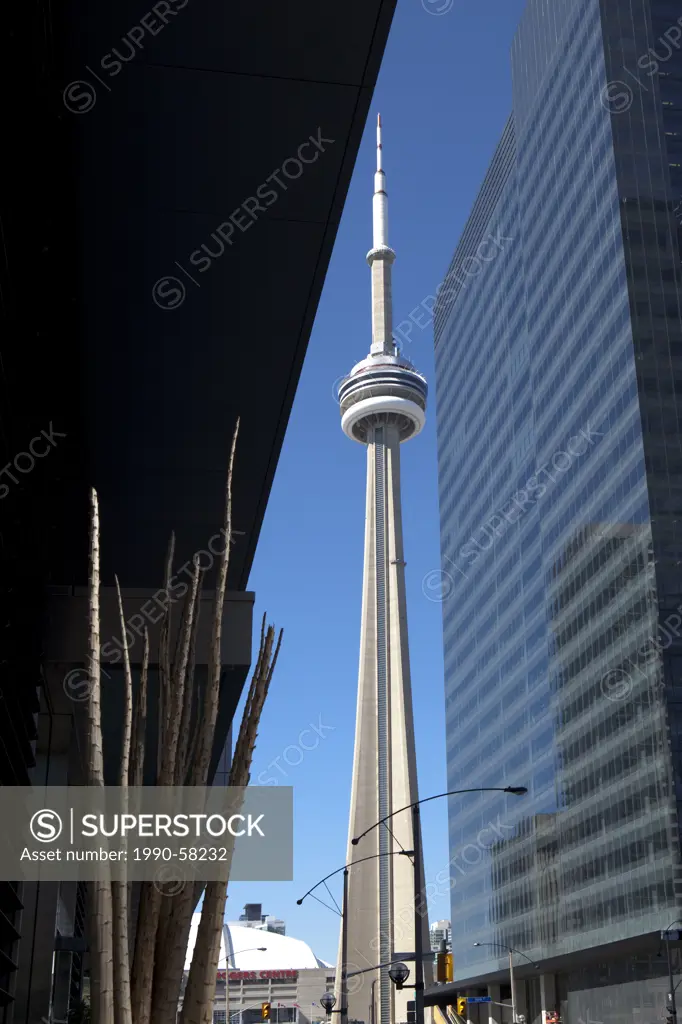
<point>383,403</point>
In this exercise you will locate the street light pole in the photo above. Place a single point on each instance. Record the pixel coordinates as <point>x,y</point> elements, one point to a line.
<point>418,894</point>
<point>344,950</point>
<point>511,983</point>
<point>418,897</point>
<point>671,995</point>
<point>343,1010</point>
<point>254,949</point>
<point>510,951</point>
<point>673,1004</point>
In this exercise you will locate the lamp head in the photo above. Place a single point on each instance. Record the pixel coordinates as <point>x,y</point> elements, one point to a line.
<point>328,1000</point>
<point>517,790</point>
<point>299,902</point>
<point>262,949</point>
<point>399,973</point>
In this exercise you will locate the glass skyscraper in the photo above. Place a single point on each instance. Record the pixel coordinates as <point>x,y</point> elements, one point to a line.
<point>558,343</point>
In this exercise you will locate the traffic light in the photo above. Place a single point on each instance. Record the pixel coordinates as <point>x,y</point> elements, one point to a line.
<point>462,1006</point>
<point>411,1012</point>
<point>265,1011</point>
<point>444,967</point>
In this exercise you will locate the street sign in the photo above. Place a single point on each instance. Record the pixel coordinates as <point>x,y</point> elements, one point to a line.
<point>479,999</point>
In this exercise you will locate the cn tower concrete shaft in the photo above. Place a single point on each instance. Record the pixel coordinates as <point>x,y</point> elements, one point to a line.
<point>383,402</point>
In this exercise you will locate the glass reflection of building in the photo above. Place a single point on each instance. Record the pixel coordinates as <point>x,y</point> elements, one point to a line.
<point>558,340</point>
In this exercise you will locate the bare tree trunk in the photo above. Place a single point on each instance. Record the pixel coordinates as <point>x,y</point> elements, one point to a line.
<point>119,890</point>
<point>136,773</point>
<point>199,996</point>
<point>164,657</point>
<point>99,892</point>
<point>143,959</point>
<point>150,895</point>
<point>168,979</point>
<point>136,770</point>
<point>172,767</point>
<point>176,910</point>
<point>154,911</point>
<point>170,964</point>
<point>176,701</point>
<point>210,711</point>
<point>189,697</point>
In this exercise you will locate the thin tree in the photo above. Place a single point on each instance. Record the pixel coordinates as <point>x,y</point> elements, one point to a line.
<point>150,894</point>
<point>120,889</point>
<point>192,762</point>
<point>99,903</point>
<point>186,720</point>
<point>136,773</point>
<point>197,1007</point>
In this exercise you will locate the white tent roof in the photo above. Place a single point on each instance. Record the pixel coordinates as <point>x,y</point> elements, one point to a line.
<point>282,953</point>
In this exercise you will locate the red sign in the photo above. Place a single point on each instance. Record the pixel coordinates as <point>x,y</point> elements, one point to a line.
<point>259,975</point>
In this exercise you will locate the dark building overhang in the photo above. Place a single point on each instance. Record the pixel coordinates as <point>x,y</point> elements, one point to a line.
<point>105,200</point>
<point>102,201</point>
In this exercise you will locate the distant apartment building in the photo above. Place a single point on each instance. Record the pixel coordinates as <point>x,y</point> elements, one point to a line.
<point>440,932</point>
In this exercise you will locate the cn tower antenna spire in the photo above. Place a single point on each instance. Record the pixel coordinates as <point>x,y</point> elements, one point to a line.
<point>380,202</point>
<point>380,258</point>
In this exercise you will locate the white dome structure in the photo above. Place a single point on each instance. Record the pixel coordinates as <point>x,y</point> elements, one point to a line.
<point>282,953</point>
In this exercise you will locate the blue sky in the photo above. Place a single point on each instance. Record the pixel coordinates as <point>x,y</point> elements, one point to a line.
<point>444,93</point>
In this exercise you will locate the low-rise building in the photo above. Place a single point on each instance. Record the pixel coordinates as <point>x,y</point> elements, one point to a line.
<point>266,967</point>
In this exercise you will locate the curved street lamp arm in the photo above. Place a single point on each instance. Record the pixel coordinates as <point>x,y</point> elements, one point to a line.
<point>516,790</point>
<point>238,952</point>
<point>501,945</point>
<point>521,953</point>
<point>361,860</point>
<point>408,959</point>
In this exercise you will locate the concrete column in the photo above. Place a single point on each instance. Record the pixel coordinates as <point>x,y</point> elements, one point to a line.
<point>494,1010</point>
<point>521,998</point>
<point>548,995</point>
